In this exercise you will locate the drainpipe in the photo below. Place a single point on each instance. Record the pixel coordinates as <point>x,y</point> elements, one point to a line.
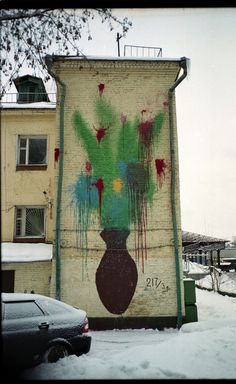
<point>49,61</point>
<point>183,65</point>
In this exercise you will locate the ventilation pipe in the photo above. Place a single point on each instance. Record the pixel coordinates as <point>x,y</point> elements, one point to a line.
<point>183,65</point>
<point>49,60</point>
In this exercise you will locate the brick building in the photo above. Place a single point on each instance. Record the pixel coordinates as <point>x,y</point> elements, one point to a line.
<point>27,188</point>
<point>94,218</point>
<point>117,237</point>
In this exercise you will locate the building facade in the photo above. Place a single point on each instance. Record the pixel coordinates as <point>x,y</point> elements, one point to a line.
<point>117,214</point>
<point>27,195</point>
<point>90,191</point>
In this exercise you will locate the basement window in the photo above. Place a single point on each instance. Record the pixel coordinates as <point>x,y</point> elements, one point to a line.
<point>30,222</point>
<point>32,151</point>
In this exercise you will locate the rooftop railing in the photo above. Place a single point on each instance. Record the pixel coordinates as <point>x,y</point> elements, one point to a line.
<point>143,51</point>
<point>29,97</point>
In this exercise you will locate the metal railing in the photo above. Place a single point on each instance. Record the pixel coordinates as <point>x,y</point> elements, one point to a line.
<point>29,97</point>
<point>139,50</point>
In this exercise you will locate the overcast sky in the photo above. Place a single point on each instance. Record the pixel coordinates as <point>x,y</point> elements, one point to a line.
<point>206,104</point>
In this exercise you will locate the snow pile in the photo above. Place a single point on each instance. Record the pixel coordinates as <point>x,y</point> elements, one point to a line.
<point>226,281</point>
<point>192,267</point>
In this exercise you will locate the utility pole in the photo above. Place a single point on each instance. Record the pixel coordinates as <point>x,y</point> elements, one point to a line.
<point>118,37</point>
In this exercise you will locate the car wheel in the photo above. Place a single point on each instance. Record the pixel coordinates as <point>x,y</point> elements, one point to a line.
<point>55,352</point>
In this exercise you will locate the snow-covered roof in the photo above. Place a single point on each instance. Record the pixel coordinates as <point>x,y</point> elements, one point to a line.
<point>116,58</point>
<point>25,252</point>
<point>39,105</point>
<point>192,237</point>
<point>119,58</point>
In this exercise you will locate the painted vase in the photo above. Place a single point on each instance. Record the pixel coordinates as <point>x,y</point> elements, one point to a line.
<point>117,275</point>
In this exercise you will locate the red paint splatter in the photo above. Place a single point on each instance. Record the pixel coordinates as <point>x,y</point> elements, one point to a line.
<point>145,132</point>
<point>123,118</point>
<point>100,133</point>
<point>160,167</point>
<point>88,168</point>
<point>56,154</point>
<point>101,88</point>
<point>100,187</point>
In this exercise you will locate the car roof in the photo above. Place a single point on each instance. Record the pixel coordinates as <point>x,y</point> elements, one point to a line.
<point>23,296</point>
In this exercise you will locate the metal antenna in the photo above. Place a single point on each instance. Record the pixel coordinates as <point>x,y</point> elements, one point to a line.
<point>118,37</point>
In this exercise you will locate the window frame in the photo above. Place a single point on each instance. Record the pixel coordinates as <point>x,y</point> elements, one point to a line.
<point>23,237</point>
<point>26,165</point>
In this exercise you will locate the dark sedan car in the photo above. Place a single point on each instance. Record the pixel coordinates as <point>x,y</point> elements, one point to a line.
<point>37,329</point>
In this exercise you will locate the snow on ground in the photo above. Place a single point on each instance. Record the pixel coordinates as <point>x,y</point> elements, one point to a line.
<point>226,280</point>
<point>199,350</point>
<point>192,267</point>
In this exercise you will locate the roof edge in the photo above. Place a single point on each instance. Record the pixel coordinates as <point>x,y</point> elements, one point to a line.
<point>112,58</point>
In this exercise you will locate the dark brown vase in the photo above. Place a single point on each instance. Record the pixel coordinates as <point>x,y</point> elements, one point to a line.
<point>116,276</point>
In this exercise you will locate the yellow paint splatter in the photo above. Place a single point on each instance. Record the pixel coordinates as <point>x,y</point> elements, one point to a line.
<point>117,185</point>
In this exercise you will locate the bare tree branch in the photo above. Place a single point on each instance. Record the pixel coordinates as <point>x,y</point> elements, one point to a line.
<point>22,15</point>
<point>28,35</point>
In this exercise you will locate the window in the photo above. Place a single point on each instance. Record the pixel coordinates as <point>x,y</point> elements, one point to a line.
<point>22,310</point>
<point>30,222</point>
<point>32,150</point>
<point>27,94</point>
<point>8,279</point>
<point>53,308</point>
<point>30,89</point>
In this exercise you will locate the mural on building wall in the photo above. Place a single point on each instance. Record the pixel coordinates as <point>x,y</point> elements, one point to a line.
<point>117,184</point>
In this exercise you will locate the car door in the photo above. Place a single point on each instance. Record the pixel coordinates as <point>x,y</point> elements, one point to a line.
<point>24,331</point>
<point>63,322</point>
